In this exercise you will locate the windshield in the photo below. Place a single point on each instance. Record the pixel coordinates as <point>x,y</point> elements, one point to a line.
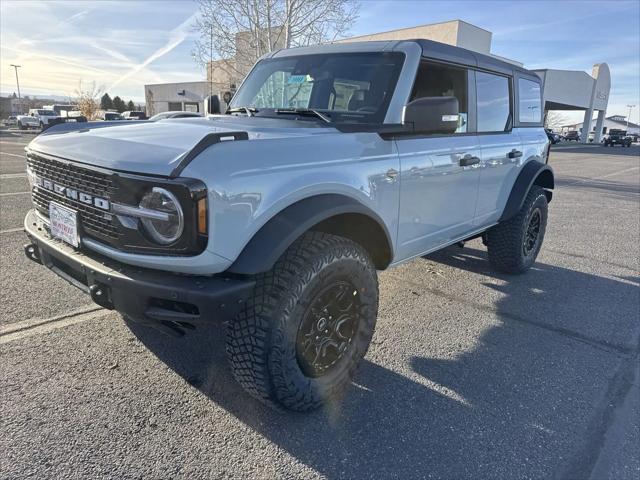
<point>349,87</point>
<point>46,112</point>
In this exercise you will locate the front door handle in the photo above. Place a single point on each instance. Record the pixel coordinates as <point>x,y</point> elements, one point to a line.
<point>468,160</point>
<point>392,173</point>
<point>514,153</point>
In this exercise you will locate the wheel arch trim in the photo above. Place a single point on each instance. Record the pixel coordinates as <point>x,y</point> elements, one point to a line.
<point>269,243</point>
<point>534,172</point>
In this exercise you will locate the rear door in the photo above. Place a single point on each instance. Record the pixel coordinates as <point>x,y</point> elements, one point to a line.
<point>501,146</point>
<point>439,173</point>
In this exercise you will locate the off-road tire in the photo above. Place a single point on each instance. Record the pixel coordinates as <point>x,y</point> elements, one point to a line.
<point>261,341</point>
<point>505,242</point>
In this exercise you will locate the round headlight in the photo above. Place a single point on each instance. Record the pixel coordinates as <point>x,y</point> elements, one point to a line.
<point>169,224</point>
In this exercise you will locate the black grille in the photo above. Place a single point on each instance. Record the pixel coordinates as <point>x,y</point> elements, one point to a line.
<point>94,221</point>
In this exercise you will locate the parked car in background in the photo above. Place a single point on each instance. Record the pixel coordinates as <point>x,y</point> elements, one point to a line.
<point>61,109</point>
<point>134,115</point>
<point>27,121</point>
<point>552,136</point>
<point>11,121</point>
<point>111,116</point>
<point>572,136</point>
<point>43,115</point>
<point>174,114</point>
<point>617,137</point>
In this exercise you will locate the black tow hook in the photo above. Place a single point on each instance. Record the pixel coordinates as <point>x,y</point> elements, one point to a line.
<point>32,252</point>
<point>100,295</point>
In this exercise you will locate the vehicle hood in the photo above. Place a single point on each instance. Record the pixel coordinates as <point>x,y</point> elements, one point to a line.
<point>156,148</point>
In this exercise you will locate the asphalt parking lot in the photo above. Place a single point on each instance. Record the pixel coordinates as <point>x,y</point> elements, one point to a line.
<point>471,374</point>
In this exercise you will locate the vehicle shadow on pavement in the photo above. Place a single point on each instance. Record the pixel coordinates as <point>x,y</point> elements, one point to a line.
<point>596,309</point>
<point>515,405</point>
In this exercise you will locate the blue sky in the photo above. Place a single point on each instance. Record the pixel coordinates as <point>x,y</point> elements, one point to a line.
<point>122,45</point>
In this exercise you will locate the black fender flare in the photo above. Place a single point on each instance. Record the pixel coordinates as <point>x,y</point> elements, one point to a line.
<point>533,173</point>
<point>274,237</point>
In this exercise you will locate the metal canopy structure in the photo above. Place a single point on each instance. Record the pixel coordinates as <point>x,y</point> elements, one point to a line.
<point>576,90</point>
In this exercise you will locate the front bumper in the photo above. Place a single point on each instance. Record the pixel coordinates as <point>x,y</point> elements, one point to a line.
<point>165,300</point>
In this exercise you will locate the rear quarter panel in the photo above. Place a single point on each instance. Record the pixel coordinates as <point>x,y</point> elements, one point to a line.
<point>534,144</point>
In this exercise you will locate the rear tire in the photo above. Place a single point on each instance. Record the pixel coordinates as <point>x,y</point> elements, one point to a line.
<point>514,245</point>
<point>299,339</point>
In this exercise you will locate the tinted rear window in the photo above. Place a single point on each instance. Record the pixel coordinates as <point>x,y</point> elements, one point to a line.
<point>493,102</point>
<point>529,101</point>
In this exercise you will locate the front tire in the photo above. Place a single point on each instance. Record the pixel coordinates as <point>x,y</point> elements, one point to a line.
<point>299,339</point>
<point>514,245</point>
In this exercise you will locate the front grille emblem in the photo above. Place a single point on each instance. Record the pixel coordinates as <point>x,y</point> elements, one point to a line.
<point>101,203</point>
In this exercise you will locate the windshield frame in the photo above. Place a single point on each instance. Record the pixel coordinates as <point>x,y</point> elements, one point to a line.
<point>337,117</point>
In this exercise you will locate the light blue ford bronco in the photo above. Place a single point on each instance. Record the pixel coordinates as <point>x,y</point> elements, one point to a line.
<point>331,162</point>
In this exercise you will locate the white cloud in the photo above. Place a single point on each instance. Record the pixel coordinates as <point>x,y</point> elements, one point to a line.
<point>176,37</point>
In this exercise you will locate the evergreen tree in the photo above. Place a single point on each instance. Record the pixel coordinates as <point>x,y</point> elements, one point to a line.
<point>106,103</point>
<point>119,104</point>
<point>130,105</point>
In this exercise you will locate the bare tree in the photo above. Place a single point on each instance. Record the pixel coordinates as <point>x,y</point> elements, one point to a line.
<point>238,32</point>
<point>553,119</point>
<point>88,100</point>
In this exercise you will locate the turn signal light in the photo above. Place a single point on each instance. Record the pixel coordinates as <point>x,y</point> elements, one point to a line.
<point>202,216</point>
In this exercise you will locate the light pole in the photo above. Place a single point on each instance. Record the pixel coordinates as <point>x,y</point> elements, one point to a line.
<point>630,107</point>
<point>16,67</point>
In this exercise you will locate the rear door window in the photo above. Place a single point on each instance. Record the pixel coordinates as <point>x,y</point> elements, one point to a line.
<point>494,105</point>
<point>529,101</point>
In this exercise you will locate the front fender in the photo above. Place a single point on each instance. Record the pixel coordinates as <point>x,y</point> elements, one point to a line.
<point>271,241</point>
<point>250,182</point>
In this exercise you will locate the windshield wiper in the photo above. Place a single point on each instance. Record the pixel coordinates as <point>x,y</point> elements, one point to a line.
<point>303,111</point>
<point>250,111</point>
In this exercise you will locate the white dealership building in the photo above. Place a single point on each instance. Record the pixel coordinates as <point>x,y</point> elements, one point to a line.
<point>614,122</point>
<point>562,89</point>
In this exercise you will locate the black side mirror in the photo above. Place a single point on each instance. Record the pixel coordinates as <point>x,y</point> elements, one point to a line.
<point>432,115</point>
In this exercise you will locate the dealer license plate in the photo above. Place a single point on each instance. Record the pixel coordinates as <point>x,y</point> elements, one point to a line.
<point>64,224</point>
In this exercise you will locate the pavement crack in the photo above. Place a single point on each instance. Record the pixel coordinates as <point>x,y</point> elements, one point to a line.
<point>504,315</point>
<point>583,463</point>
<point>23,328</point>
<point>604,262</point>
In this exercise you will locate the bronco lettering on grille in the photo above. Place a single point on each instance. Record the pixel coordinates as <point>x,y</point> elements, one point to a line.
<point>73,194</point>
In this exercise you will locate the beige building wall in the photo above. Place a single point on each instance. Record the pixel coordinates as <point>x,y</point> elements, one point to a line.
<point>455,32</point>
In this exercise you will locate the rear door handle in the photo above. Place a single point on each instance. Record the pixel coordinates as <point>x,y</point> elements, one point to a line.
<point>514,153</point>
<point>468,160</point>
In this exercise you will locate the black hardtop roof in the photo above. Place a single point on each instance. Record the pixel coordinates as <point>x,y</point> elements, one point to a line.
<point>462,56</point>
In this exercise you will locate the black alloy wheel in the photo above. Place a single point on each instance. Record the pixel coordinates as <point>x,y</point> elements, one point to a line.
<point>328,328</point>
<point>532,234</point>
